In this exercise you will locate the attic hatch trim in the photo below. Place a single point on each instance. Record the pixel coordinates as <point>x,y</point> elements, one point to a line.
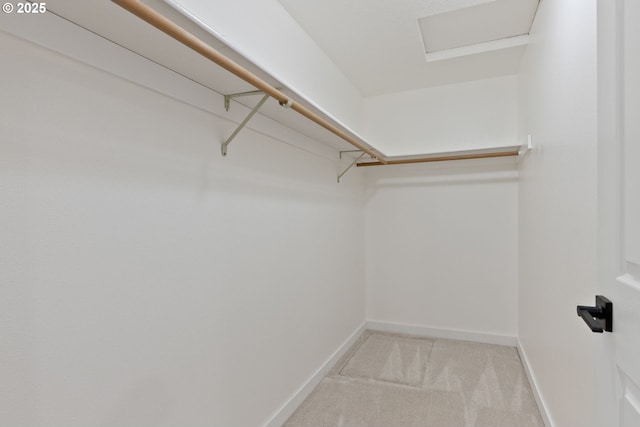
<point>173,30</point>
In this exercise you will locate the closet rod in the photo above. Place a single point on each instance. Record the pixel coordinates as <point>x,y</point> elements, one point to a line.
<point>173,30</point>
<point>390,161</point>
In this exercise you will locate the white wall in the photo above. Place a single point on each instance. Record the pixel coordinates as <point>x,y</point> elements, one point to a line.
<point>265,33</point>
<point>441,245</point>
<point>557,207</point>
<point>146,280</point>
<point>479,114</point>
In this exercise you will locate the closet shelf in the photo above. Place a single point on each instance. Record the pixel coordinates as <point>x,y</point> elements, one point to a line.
<point>188,39</point>
<point>484,153</point>
<point>178,33</point>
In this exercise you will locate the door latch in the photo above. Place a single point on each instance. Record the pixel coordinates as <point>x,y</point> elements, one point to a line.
<point>600,317</point>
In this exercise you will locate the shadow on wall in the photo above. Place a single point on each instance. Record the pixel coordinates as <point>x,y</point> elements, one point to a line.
<point>453,173</point>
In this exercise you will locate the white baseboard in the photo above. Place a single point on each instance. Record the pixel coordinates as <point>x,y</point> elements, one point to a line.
<point>542,407</point>
<point>400,328</point>
<point>299,396</point>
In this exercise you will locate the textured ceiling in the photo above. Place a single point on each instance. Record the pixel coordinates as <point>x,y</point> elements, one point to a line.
<point>378,43</point>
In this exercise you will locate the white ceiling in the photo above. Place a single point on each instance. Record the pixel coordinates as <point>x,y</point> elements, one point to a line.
<point>379,44</point>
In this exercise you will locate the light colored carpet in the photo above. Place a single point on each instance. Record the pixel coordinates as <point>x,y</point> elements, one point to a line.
<point>388,380</point>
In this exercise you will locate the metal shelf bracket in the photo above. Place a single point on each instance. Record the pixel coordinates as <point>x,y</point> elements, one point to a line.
<point>227,105</point>
<point>356,160</point>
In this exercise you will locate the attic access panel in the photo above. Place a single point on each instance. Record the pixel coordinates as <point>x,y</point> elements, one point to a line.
<point>486,22</point>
